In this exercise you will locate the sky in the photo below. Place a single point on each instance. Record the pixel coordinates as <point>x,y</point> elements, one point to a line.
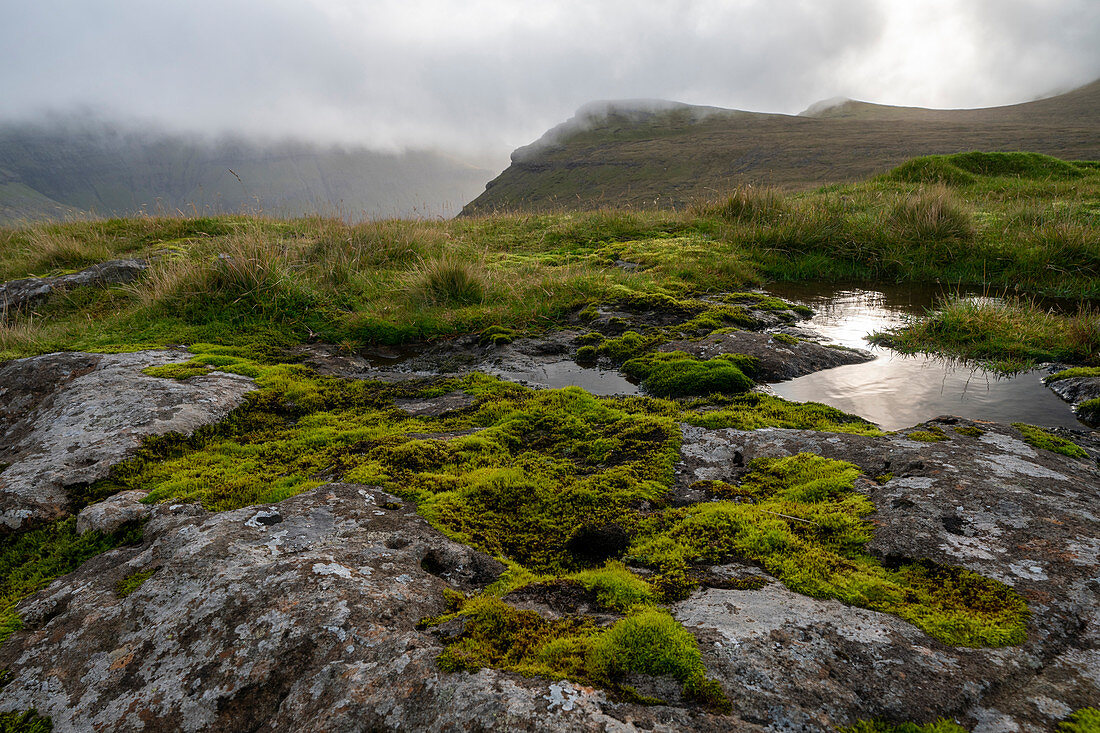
<point>478,77</point>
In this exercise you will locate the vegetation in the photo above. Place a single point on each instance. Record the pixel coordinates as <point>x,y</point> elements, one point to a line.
<point>133,581</point>
<point>1039,438</point>
<point>880,726</point>
<point>28,721</point>
<point>1085,720</point>
<point>30,560</point>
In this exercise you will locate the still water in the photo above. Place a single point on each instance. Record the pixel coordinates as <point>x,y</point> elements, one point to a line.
<point>895,390</point>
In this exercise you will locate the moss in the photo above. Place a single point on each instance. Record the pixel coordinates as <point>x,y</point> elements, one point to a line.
<point>676,374</point>
<point>884,478</point>
<point>496,336</point>
<point>592,338</point>
<point>932,435</point>
<point>27,721</point>
<point>185,370</point>
<point>721,490</point>
<point>616,587</point>
<point>587,355</point>
<point>786,339</point>
<point>648,641</point>
<point>31,559</point>
<point>1085,720</point>
<point>1039,438</point>
<point>969,430</point>
<point>807,529</point>
<point>628,345</point>
<point>1074,372</point>
<point>133,581</point>
<point>1089,411</point>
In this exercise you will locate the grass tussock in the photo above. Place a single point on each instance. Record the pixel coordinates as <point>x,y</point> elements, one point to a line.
<point>932,216</point>
<point>449,281</point>
<point>745,204</point>
<point>1008,335</point>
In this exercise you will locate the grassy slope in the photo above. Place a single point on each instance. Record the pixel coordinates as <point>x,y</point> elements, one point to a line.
<point>675,156</point>
<point>1034,231</point>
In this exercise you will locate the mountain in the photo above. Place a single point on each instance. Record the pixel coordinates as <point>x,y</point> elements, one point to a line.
<point>66,168</point>
<point>659,153</point>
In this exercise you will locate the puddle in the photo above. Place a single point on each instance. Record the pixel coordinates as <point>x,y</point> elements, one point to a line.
<point>895,390</point>
<point>570,374</point>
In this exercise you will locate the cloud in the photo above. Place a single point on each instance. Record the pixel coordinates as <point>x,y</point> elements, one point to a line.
<point>484,76</point>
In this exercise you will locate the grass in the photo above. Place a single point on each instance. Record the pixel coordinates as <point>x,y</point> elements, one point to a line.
<point>1085,720</point>
<point>1009,335</point>
<point>28,721</point>
<point>249,281</point>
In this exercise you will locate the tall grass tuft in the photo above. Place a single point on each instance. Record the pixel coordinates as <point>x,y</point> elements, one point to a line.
<point>744,204</point>
<point>932,215</point>
<point>48,248</point>
<point>449,280</point>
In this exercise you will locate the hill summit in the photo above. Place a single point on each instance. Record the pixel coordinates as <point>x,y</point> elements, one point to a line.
<point>665,154</point>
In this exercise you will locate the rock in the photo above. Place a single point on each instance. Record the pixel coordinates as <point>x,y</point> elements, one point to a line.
<point>989,503</point>
<point>65,419</point>
<point>1076,390</point>
<point>108,515</point>
<point>779,359</point>
<point>19,294</point>
<point>307,624</point>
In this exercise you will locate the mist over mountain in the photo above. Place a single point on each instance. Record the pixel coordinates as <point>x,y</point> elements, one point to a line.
<point>658,153</point>
<point>66,167</point>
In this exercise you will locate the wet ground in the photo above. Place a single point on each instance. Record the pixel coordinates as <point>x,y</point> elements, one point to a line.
<point>896,390</point>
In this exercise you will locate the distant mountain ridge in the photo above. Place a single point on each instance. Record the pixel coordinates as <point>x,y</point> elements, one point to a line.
<point>660,153</point>
<point>70,168</point>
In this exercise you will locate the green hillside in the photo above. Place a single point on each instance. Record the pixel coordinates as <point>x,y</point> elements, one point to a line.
<point>660,154</point>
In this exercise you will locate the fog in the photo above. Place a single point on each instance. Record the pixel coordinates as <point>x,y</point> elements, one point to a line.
<point>482,77</point>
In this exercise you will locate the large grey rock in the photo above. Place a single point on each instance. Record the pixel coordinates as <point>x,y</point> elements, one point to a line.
<point>65,419</point>
<point>298,616</point>
<point>992,504</point>
<point>19,294</point>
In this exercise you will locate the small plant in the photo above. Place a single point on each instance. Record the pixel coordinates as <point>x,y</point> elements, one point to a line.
<point>133,581</point>
<point>1039,438</point>
<point>969,430</point>
<point>1085,720</point>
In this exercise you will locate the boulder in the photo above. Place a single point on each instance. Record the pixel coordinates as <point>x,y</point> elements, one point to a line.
<point>65,419</point>
<point>298,616</point>
<point>110,514</point>
<point>19,294</point>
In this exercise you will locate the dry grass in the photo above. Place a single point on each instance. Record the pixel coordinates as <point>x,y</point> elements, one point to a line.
<point>744,204</point>
<point>933,214</point>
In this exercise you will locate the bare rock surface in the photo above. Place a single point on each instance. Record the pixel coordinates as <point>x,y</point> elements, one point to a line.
<point>19,294</point>
<point>110,514</point>
<point>297,616</point>
<point>65,419</point>
<point>778,359</point>
<point>990,503</point>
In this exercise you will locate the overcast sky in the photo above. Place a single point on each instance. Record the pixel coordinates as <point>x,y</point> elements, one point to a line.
<point>484,76</point>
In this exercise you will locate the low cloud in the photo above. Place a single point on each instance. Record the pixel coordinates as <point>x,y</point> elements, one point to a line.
<point>485,76</point>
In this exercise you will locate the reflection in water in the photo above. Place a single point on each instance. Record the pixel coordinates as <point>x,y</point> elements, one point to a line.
<point>569,374</point>
<point>897,391</point>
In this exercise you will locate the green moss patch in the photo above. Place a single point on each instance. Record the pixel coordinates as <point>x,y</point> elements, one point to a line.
<point>969,431</point>
<point>133,581</point>
<point>648,641</point>
<point>1074,372</point>
<point>1085,720</point>
<point>933,434</point>
<point>806,528</point>
<point>27,721</point>
<point>1039,438</point>
<point>496,336</point>
<point>29,560</point>
<point>1089,411</point>
<point>676,374</point>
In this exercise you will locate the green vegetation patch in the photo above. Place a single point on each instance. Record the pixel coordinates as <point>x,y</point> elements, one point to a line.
<point>1074,372</point>
<point>806,528</point>
<point>677,374</point>
<point>933,434</point>
<point>943,725</point>
<point>30,560</point>
<point>1085,720</point>
<point>964,169</point>
<point>1089,411</point>
<point>969,430</point>
<point>648,641</point>
<point>133,581</point>
<point>27,721</point>
<point>1039,438</point>
<point>496,336</point>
